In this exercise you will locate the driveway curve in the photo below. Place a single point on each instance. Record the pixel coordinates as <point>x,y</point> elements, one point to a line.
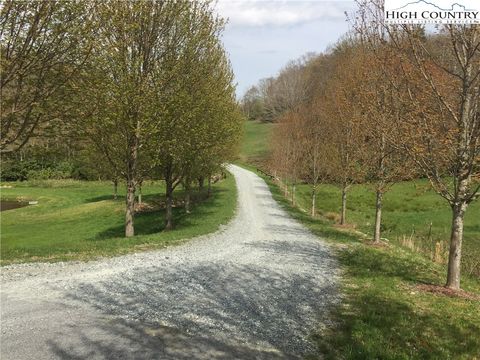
<point>255,289</point>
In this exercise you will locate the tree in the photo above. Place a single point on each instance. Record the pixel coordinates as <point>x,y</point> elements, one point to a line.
<point>275,96</point>
<point>44,44</point>
<point>288,150</point>
<point>447,147</point>
<point>315,146</point>
<point>201,123</point>
<point>130,65</point>
<point>385,163</point>
<point>341,88</point>
<point>253,104</point>
<point>288,90</point>
<point>380,107</point>
<point>437,77</point>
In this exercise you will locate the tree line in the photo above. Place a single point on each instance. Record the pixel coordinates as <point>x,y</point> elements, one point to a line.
<point>386,103</point>
<point>142,89</point>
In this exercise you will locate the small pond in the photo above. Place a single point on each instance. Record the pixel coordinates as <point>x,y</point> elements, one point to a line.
<point>9,204</point>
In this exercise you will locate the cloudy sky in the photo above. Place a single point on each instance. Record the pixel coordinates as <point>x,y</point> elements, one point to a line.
<point>263,35</point>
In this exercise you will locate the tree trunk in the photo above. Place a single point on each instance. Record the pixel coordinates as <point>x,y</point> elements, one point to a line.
<point>314,193</point>
<point>378,217</point>
<point>343,217</point>
<point>130,208</point>
<point>140,193</point>
<point>293,194</point>
<point>131,184</point>
<point>455,253</point>
<point>169,203</point>
<point>209,188</point>
<point>201,180</point>
<point>115,189</point>
<point>378,205</point>
<point>187,197</point>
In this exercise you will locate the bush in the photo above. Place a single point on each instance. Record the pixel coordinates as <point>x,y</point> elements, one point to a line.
<point>16,170</point>
<point>84,171</point>
<point>61,170</point>
<point>13,170</point>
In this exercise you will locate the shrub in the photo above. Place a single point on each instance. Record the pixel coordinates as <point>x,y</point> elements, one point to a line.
<point>84,171</point>
<point>62,170</point>
<point>16,170</point>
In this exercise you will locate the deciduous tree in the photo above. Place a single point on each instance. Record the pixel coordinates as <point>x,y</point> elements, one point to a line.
<point>437,78</point>
<point>43,46</point>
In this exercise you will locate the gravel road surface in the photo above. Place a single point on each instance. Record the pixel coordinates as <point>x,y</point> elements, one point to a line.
<point>253,290</point>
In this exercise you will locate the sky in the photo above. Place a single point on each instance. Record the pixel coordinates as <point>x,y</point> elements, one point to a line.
<point>263,35</point>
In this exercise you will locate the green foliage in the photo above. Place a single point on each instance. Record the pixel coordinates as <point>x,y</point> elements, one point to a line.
<point>62,170</point>
<point>35,162</point>
<point>86,171</point>
<point>44,44</point>
<point>147,83</point>
<point>253,104</point>
<point>80,220</point>
<point>16,170</point>
<point>161,92</point>
<point>32,170</point>
<point>201,123</point>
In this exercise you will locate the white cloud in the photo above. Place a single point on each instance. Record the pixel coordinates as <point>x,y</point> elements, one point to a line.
<point>255,13</point>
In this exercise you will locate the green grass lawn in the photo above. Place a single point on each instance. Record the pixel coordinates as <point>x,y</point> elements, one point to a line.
<point>80,220</point>
<point>256,141</point>
<point>383,315</point>
<point>411,210</point>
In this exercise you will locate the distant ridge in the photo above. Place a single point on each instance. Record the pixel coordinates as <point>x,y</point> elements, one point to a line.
<point>429,3</point>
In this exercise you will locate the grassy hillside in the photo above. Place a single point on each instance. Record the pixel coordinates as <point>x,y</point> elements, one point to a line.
<point>80,220</point>
<point>255,143</point>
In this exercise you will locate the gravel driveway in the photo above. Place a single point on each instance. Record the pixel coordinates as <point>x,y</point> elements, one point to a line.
<point>254,290</point>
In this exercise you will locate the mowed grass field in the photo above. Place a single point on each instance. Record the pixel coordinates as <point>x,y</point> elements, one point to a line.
<point>255,144</point>
<point>80,220</point>
<point>413,216</point>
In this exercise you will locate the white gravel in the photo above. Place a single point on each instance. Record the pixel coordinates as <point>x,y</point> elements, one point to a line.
<point>253,290</point>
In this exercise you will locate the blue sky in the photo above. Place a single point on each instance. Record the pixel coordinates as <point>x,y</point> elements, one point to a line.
<point>263,35</point>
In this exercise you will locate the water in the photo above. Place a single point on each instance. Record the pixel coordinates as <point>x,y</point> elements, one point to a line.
<point>9,205</point>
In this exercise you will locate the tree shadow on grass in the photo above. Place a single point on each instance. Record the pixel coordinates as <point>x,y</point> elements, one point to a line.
<point>151,222</point>
<point>121,197</point>
<point>375,326</point>
<point>384,320</point>
<point>365,262</point>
